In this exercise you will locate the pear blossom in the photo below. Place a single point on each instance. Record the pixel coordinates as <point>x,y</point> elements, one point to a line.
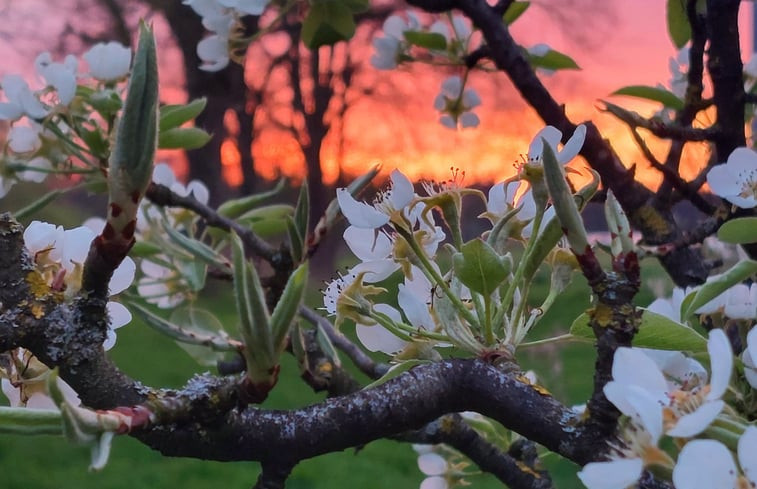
<point>749,357</point>
<point>21,101</point>
<point>164,175</point>
<point>59,255</point>
<point>502,199</point>
<point>553,136</point>
<point>705,464</point>
<point>23,139</point>
<point>679,68</point>
<point>390,48</point>
<point>161,285</point>
<point>362,215</point>
<point>214,53</point>
<point>741,302</point>
<point>455,104</point>
<point>24,382</point>
<point>108,62</point>
<point>61,76</point>
<point>36,170</point>
<point>736,180</point>
<point>377,338</point>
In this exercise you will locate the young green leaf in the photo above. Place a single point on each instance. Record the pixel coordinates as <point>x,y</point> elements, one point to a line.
<point>183,138</point>
<point>172,116</point>
<point>713,288</point>
<point>395,371</point>
<point>198,249</point>
<point>327,346</point>
<point>479,267</point>
<point>564,204</point>
<point>235,208</point>
<point>288,305</point>
<point>428,40</point>
<point>296,245</point>
<point>656,94</point>
<point>655,331</point>
<point>679,28</point>
<point>553,60</point>
<point>327,22</point>
<point>302,212</point>
<point>515,10</point>
<point>739,231</point>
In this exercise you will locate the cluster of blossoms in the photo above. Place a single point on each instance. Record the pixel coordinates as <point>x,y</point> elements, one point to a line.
<point>59,256</point>
<point>169,278</point>
<point>454,102</point>
<point>221,18</point>
<point>667,393</point>
<point>35,145</point>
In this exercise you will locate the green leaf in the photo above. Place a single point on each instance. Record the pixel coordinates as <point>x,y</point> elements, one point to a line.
<point>143,249</point>
<point>234,208</point>
<point>267,221</point>
<point>679,29</point>
<point>738,231</point>
<point>396,371</point>
<point>106,102</point>
<point>131,161</point>
<point>327,346</point>
<point>288,305</point>
<point>479,267</point>
<point>38,204</point>
<point>26,421</point>
<point>302,218</point>
<point>656,94</point>
<point>327,22</point>
<point>189,325</point>
<point>198,249</point>
<point>713,288</point>
<point>358,6</point>
<point>515,10</point>
<point>655,331</point>
<point>296,246</point>
<point>255,322</point>
<point>428,40</point>
<point>172,116</point>
<point>553,60</point>
<point>183,138</point>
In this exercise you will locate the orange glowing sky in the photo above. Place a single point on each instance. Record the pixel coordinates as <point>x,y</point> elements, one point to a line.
<point>625,43</point>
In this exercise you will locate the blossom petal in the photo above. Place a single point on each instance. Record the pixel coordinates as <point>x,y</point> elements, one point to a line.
<point>108,61</point>
<point>434,482</point>
<point>359,214</point>
<point>704,464</point>
<point>694,423</point>
<point>573,146</point>
<point>432,464</point>
<point>721,363</point>
<point>367,244</point>
<point>402,192</point>
<point>617,474</point>
<point>747,449</point>
<point>632,367</point>
<point>122,277</point>
<point>551,134</point>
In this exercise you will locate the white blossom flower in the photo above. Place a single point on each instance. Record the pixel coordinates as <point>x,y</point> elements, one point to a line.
<point>23,139</point>
<point>434,466</point>
<point>741,302</point>
<point>391,47</point>
<point>61,76</point>
<point>164,175</point>
<point>37,170</point>
<point>679,69</point>
<point>455,104</point>
<point>59,255</point>
<point>108,62</point>
<point>736,180</point>
<point>161,285</point>
<point>362,215</point>
<point>502,199</point>
<point>20,100</point>
<point>24,383</point>
<point>749,357</point>
<point>706,464</point>
<point>553,136</point>
<point>377,338</point>
<point>214,53</point>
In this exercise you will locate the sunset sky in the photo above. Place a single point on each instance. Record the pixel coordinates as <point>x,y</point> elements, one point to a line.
<point>616,43</point>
